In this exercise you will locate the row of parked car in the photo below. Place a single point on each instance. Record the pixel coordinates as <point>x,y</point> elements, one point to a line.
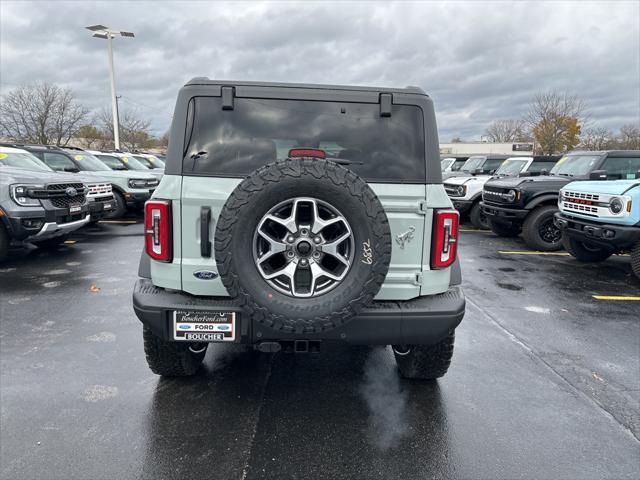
<point>47,192</point>
<point>587,202</point>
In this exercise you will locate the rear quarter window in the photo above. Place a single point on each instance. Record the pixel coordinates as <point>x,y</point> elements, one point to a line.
<point>259,131</point>
<point>621,168</point>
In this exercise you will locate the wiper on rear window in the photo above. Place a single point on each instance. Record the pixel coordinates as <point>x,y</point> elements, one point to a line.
<point>195,157</point>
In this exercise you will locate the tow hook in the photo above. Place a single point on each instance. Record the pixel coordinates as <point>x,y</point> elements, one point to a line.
<point>198,347</point>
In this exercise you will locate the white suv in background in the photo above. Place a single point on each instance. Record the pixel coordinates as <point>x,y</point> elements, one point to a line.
<point>466,191</point>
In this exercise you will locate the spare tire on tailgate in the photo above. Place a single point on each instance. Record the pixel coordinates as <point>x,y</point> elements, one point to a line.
<point>304,244</point>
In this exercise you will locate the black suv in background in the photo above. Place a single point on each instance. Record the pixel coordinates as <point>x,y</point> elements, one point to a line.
<point>528,205</point>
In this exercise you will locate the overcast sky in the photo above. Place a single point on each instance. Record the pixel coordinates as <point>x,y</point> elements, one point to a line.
<point>479,61</point>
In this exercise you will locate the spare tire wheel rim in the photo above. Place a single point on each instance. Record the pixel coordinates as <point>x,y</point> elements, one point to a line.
<point>303,247</point>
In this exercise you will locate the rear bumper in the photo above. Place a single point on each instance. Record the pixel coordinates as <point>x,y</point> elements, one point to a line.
<point>606,235</point>
<point>504,214</point>
<point>421,321</point>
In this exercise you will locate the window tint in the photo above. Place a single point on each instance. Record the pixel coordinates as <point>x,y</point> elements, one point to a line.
<point>87,162</point>
<point>260,131</point>
<point>58,161</point>
<point>112,162</point>
<point>621,168</point>
<point>457,165</point>
<point>145,161</point>
<point>537,167</point>
<point>133,164</point>
<point>492,165</point>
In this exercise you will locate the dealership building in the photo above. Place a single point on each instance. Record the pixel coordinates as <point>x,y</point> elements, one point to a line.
<point>466,149</point>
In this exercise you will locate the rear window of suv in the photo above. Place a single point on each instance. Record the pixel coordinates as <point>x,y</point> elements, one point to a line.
<point>258,131</point>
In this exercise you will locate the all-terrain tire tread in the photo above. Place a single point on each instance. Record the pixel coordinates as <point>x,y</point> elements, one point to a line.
<point>427,362</point>
<point>4,242</point>
<point>577,251</point>
<point>121,205</point>
<point>476,216</point>
<point>169,359</point>
<point>273,174</point>
<point>635,259</point>
<point>530,230</point>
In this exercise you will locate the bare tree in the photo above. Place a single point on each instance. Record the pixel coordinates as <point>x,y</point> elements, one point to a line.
<point>40,113</point>
<point>134,131</point>
<point>597,138</point>
<point>556,119</point>
<point>163,141</point>
<point>504,131</point>
<point>629,137</point>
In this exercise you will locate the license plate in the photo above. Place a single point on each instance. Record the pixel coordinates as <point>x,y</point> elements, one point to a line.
<point>106,206</point>
<point>74,208</point>
<point>204,326</point>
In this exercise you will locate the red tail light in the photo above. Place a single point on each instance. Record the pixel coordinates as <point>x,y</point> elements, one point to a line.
<point>307,152</point>
<point>157,230</point>
<point>445,238</point>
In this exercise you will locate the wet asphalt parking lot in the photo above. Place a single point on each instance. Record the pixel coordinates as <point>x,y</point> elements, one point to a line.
<point>545,381</point>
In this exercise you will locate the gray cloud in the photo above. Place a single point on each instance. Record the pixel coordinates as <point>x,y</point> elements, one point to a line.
<point>479,61</point>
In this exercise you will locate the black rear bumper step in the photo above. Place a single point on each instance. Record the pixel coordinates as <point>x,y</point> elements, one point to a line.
<point>420,321</point>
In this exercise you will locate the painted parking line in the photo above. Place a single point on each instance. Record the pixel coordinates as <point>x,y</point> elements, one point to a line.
<point>117,221</point>
<point>69,242</point>
<point>621,298</point>
<point>557,254</point>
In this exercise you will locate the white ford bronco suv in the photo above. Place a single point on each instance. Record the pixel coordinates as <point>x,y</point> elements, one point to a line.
<point>290,215</point>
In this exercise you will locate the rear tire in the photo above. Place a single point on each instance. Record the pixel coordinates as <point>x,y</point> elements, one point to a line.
<point>478,218</point>
<point>504,230</point>
<point>170,359</point>
<point>635,259</point>
<point>539,232</point>
<point>424,362</point>
<point>584,252</point>
<point>4,243</point>
<point>120,206</point>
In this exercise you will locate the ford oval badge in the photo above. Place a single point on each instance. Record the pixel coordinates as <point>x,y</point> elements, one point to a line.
<point>184,327</point>
<point>224,327</point>
<point>205,275</point>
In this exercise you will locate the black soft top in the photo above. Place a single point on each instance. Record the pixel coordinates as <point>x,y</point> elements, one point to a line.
<point>608,153</point>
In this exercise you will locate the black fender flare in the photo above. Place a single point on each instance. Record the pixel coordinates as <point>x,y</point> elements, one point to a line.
<point>542,199</point>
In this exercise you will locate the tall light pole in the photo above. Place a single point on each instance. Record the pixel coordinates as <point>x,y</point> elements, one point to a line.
<point>100,31</point>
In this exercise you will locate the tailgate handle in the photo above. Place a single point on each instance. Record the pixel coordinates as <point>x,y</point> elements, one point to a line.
<point>205,220</point>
